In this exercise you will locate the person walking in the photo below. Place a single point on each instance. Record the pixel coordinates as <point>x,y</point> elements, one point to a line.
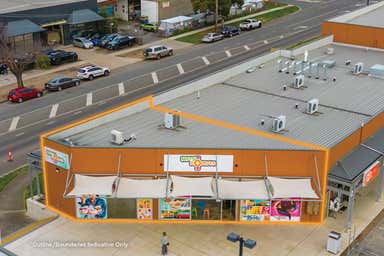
<point>164,244</point>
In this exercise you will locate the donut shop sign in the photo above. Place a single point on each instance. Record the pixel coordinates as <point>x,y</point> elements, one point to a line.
<point>198,163</point>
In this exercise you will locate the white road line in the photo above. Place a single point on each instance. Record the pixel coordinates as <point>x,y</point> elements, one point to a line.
<point>53,110</point>
<point>51,122</point>
<point>155,78</point>
<point>121,89</point>
<point>228,54</point>
<point>14,122</point>
<point>265,41</point>
<point>246,47</point>
<point>282,36</point>
<point>19,134</point>
<point>180,68</point>
<point>89,99</point>
<point>206,61</point>
<point>77,112</point>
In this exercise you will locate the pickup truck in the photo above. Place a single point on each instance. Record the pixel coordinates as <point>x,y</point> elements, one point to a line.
<point>249,24</point>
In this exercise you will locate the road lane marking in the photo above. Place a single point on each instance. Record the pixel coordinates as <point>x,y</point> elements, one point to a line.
<point>53,110</point>
<point>228,54</point>
<point>265,41</point>
<point>89,99</point>
<point>121,89</point>
<point>246,47</point>
<point>155,78</point>
<point>180,68</point>
<point>19,134</point>
<point>206,61</point>
<point>51,122</point>
<point>281,37</point>
<point>14,122</point>
<point>77,112</point>
<point>101,103</point>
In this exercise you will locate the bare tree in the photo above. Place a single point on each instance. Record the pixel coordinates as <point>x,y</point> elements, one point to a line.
<point>16,62</point>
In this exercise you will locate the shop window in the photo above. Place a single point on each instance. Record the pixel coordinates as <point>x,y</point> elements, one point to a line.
<point>229,210</point>
<point>206,209</point>
<point>121,208</point>
<point>177,208</point>
<point>254,210</point>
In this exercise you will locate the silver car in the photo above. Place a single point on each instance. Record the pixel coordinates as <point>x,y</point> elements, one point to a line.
<point>158,51</point>
<point>212,37</point>
<point>82,43</point>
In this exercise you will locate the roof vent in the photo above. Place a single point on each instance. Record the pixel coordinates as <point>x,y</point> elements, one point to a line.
<point>312,106</point>
<point>299,81</point>
<point>117,137</point>
<point>172,120</point>
<point>278,123</point>
<point>358,69</point>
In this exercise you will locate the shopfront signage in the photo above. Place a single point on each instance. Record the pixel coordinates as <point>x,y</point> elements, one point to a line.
<point>254,210</point>
<point>178,208</point>
<point>144,209</point>
<point>198,163</point>
<point>57,158</point>
<point>285,210</point>
<point>91,207</point>
<point>371,173</point>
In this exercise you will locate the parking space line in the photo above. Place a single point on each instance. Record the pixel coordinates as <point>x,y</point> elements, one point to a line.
<point>121,89</point>
<point>14,122</point>
<point>155,78</point>
<point>89,99</point>
<point>180,68</point>
<point>206,61</point>
<point>246,47</point>
<point>54,109</point>
<point>228,53</point>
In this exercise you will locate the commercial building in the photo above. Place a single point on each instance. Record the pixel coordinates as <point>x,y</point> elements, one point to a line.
<point>43,21</point>
<point>364,27</point>
<point>157,10</point>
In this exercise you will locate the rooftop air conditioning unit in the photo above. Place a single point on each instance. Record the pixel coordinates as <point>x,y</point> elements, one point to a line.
<point>312,106</point>
<point>299,81</point>
<point>358,69</point>
<point>117,137</point>
<point>278,123</point>
<point>172,120</point>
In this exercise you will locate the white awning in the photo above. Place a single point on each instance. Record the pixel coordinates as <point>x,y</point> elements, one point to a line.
<point>148,188</point>
<point>183,186</point>
<point>229,189</point>
<point>88,185</point>
<point>292,188</point>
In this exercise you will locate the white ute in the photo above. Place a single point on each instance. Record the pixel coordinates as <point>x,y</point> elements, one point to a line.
<point>249,24</point>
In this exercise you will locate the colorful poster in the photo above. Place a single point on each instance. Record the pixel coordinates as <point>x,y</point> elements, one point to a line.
<point>285,210</point>
<point>57,158</point>
<point>179,208</point>
<point>91,207</point>
<point>371,173</point>
<point>198,163</point>
<point>254,210</point>
<point>144,209</point>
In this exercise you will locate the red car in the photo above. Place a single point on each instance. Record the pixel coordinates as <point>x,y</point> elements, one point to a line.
<point>24,93</point>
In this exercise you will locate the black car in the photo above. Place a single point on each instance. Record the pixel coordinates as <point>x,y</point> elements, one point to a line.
<point>121,42</point>
<point>229,31</point>
<point>60,57</point>
<point>59,83</point>
<point>106,39</point>
<point>3,69</point>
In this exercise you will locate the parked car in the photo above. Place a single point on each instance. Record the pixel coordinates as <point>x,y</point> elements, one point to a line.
<point>82,33</point>
<point>51,51</point>
<point>3,69</point>
<point>90,72</point>
<point>158,51</point>
<point>212,37</point>
<point>229,31</point>
<point>106,39</point>
<point>121,41</point>
<point>24,93</point>
<point>60,57</point>
<point>149,27</point>
<point>96,39</point>
<point>249,24</point>
<point>59,83</point>
<point>82,42</point>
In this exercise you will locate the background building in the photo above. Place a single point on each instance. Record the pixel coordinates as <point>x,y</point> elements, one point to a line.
<point>159,10</point>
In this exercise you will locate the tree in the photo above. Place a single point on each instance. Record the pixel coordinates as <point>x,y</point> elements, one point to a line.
<point>17,62</point>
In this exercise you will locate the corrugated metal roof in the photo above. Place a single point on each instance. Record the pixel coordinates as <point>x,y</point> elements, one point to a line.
<point>372,19</point>
<point>83,16</point>
<point>22,27</point>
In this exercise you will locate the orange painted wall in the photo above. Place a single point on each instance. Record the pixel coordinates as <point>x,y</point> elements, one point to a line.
<point>354,34</point>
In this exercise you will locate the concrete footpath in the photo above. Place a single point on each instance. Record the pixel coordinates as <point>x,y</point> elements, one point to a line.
<point>71,238</point>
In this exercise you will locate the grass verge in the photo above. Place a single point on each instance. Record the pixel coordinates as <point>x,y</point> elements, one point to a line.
<point>196,37</point>
<point>28,194</point>
<point>6,179</point>
<point>301,43</point>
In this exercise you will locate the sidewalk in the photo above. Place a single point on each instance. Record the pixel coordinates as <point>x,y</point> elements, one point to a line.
<point>185,240</point>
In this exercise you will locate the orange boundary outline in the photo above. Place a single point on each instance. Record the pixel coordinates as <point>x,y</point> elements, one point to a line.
<point>196,118</point>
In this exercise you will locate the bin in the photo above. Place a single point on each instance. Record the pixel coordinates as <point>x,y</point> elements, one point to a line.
<point>334,242</point>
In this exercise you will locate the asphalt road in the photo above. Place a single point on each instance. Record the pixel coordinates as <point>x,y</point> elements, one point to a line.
<point>22,123</point>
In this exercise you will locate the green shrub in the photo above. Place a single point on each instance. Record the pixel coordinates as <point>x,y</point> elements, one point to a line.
<point>43,61</point>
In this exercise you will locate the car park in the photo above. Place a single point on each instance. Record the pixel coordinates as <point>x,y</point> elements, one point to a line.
<point>149,27</point>
<point>59,83</point>
<point>3,69</point>
<point>229,31</point>
<point>82,42</point>
<point>157,52</point>
<point>250,24</point>
<point>24,93</point>
<point>60,57</point>
<point>121,41</point>
<point>212,37</point>
<point>90,72</point>
<point>106,39</point>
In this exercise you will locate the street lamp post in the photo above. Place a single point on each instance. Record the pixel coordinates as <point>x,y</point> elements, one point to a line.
<point>233,237</point>
<point>216,14</point>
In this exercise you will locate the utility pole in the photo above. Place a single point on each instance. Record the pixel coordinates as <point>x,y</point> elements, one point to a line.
<point>367,2</point>
<point>216,14</point>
